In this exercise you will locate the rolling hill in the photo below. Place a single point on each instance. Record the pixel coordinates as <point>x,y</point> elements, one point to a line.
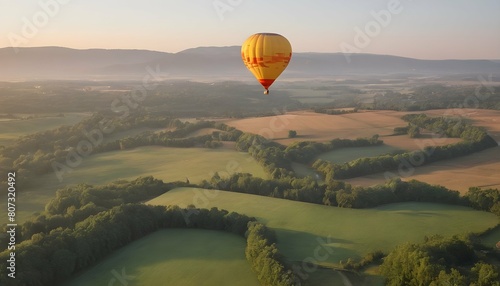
<point>215,62</point>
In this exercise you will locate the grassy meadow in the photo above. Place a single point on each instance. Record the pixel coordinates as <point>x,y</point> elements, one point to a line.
<point>302,227</point>
<point>168,164</point>
<point>181,257</point>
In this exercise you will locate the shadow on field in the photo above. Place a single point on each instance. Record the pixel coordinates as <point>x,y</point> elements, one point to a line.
<point>420,208</point>
<point>419,213</point>
<point>325,250</point>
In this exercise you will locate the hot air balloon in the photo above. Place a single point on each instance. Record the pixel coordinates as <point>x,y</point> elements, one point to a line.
<point>266,55</point>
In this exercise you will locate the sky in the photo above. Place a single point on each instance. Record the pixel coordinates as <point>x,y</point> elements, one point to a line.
<point>424,29</point>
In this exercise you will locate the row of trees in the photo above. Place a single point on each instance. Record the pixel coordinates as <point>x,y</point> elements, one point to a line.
<point>474,139</point>
<point>270,154</point>
<point>336,193</point>
<point>440,261</point>
<point>82,225</point>
<point>342,194</point>
<point>265,258</point>
<point>159,139</point>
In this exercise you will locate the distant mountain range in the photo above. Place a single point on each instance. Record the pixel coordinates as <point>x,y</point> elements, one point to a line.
<point>215,62</point>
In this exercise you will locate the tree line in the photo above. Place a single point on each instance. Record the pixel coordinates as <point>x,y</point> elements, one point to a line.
<point>336,193</point>
<point>475,139</point>
<point>270,154</point>
<point>341,194</point>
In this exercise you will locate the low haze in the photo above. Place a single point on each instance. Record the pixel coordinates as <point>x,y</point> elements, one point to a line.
<point>417,29</point>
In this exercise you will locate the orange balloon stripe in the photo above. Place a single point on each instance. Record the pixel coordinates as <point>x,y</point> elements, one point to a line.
<point>266,83</point>
<point>277,58</point>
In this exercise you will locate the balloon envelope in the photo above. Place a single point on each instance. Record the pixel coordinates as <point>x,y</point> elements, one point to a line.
<point>266,55</point>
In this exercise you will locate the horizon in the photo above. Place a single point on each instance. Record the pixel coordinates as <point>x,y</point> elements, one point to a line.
<point>421,30</point>
<point>199,47</point>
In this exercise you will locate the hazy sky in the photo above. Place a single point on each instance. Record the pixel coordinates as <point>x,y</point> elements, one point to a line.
<point>426,29</point>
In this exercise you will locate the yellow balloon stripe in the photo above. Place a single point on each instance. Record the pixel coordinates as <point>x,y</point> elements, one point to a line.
<point>266,55</point>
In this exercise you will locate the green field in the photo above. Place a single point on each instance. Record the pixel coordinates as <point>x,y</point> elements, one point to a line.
<point>348,154</point>
<point>178,257</point>
<point>167,164</point>
<point>10,130</point>
<point>302,227</point>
